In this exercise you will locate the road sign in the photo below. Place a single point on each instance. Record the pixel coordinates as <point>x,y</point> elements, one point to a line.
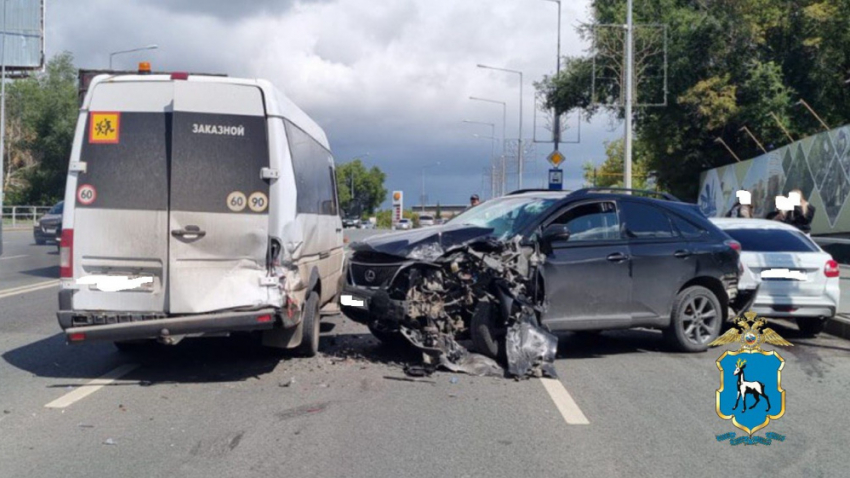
<point>556,179</point>
<point>556,158</point>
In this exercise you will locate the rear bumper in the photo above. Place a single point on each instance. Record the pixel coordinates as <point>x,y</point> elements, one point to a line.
<point>123,326</point>
<point>792,311</point>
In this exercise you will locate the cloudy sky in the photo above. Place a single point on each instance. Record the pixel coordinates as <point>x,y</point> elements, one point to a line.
<point>391,78</point>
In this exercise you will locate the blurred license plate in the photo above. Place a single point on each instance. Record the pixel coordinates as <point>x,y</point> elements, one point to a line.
<point>784,274</point>
<point>50,231</point>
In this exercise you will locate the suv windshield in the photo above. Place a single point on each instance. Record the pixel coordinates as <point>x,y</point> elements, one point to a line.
<point>506,216</point>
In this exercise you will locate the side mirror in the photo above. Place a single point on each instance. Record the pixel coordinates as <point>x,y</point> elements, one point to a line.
<point>556,232</point>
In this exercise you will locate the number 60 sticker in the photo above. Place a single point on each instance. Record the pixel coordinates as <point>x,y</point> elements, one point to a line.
<point>258,202</point>
<point>86,194</point>
<point>236,201</point>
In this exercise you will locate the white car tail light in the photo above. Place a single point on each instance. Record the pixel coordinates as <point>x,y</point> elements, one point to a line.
<point>831,269</point>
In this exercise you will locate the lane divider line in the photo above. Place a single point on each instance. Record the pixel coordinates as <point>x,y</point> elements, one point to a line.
<point>28,288</point>
<point>85,390</point>
<point>564,402</point>
<point>12,257</point>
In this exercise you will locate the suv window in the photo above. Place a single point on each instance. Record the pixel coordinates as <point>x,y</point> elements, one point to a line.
<point>591,222</point>
<point>646,222</point>
<point>688,229</point>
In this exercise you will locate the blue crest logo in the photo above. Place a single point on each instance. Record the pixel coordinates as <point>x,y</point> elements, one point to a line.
<point>750,393</point>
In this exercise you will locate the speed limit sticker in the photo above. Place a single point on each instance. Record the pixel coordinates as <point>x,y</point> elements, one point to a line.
<point>86,194</point>
<point>236,201</point>
<point>258,202</point>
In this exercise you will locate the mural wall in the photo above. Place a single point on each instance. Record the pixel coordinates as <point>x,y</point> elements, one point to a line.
<point>818,165</point>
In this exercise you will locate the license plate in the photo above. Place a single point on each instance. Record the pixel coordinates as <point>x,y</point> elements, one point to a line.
<point>50,231</point>
<point>784,274</point>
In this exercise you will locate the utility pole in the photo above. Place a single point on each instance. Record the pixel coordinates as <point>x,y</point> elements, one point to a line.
<point>629,79</point>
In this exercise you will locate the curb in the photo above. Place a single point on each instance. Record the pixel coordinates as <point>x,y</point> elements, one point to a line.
<point>839,326</point>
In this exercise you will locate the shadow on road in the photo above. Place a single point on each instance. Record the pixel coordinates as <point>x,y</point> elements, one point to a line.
<point>51,272</point>
<point>584,345</point>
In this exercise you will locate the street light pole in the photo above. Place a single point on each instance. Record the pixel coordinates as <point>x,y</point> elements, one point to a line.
<point>149,47</point>
<point>776,118</point>
<point>422,195</point>
<point>802,102</point>
<point>504,137</point>
<point>556,124</point>
<point>519,139</point>
<point>629,71</point>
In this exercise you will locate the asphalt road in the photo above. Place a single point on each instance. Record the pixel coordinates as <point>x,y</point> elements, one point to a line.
<point>221,407</point>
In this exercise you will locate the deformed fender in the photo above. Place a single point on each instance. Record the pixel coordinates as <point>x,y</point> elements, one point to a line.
<point>314,280</point>
<point>291,337</point>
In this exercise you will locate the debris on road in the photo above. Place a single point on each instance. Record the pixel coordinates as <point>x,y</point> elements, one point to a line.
<point>408,379</point>
<point>109,441</point>
<point>287,384</point>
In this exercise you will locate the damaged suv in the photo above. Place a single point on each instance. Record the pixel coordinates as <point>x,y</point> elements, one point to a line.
<point>510,271</point>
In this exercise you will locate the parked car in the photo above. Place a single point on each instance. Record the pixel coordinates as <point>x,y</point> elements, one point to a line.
<point>600,259</point>
<point>426,220</point>
<point>403,225</point>
<point>367,224</point>
<point>797,278</point>
<point>197,205</point>
<point>350,222</point>
<point>44,229</point>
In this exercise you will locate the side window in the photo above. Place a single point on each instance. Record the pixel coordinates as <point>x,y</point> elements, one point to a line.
<point>687,228</point>
<point>591,222</point>
<point>646,222</point>
<point>311,161</point>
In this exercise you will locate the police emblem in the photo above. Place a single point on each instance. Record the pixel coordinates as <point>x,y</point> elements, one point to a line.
<point>750,392</point>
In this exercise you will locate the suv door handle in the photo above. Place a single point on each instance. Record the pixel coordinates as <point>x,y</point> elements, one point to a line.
<point>189,231</point>
<point>682,253</point>
<point>617,257</point>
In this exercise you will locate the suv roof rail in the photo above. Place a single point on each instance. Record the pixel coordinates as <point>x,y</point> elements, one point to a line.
<point>647,192</point>
<point>523,191</point>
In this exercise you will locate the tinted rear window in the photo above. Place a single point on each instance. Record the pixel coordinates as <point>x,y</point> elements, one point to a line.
<point>771,240</point>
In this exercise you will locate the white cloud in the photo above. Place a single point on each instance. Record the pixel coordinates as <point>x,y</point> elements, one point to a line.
<point>392,77</point>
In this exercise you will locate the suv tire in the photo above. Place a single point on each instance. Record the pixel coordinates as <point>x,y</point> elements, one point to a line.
<point>486,335</point>
<point>310,327</point>
<point>695,320</point>
<point>811,326</point>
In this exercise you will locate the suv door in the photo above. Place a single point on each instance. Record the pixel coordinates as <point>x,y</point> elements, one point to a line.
<point>662,260</point>
<point>587,276</point>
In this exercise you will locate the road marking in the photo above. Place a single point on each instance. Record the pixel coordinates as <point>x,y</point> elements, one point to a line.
<point>565,403</point>
<point>12,257</point>
<point>28,288</point>
<point>91,387</point>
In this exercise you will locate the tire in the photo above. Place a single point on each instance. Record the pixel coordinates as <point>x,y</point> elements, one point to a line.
<point>811,326</point>
<point>487,337</point>
<point>696,320</point>
<point>310,327</point>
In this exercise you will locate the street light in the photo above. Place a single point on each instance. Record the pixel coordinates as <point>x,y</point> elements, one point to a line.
<point>504,122</point>
<point>422,196</point>
<point>149,47</point>
<point>744,128</point>
<point>776,118</point>
<point>519,138</point>
<point>720,140</point>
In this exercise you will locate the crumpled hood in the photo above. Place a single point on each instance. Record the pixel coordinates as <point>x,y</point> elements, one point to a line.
<point>427,243</point>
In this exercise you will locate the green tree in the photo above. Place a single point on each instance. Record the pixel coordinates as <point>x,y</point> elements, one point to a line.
<point>43,111</point>
<point>731,63</point>
<point>610,173</point>
<point>368,186</point>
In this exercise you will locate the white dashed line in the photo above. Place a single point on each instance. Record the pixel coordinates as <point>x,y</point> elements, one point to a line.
<point>12,257</point>
<point>28,288</point>
<point>564,401</point>
<point>91,387</point>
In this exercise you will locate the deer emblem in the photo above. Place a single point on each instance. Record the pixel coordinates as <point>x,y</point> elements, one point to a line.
<point>748,388</point>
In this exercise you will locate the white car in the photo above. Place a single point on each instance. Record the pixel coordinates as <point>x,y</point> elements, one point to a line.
<point>426,220</point>
<point>796,278</point>
<point>404,224</point>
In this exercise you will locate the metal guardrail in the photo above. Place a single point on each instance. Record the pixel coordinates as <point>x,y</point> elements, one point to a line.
<point>22,216</point>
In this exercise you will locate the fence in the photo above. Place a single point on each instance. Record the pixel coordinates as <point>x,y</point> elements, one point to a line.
<point>22,216</point>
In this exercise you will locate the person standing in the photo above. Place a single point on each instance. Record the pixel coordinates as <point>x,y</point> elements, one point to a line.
<point>802,214</point>
<point>473,201</point>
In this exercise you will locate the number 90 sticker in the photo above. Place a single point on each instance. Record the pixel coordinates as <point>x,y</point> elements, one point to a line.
<point>86,194</point>
<point>236,201</point>
<point>258,202</point>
